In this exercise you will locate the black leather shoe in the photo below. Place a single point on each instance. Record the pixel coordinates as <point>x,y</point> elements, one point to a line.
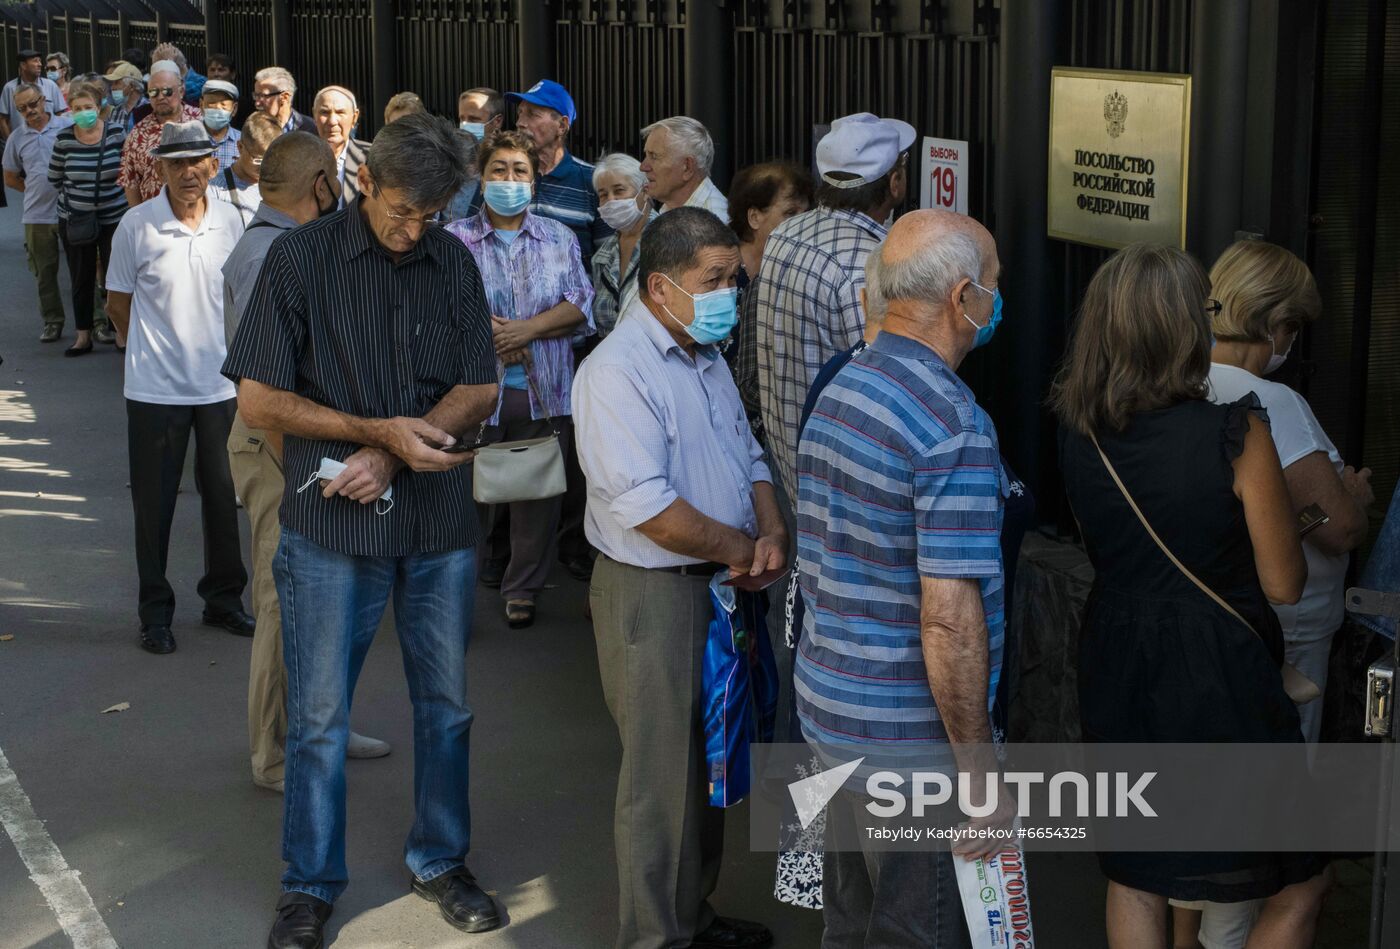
<point>300,919</point>
<point>463,903</point>
<point>492,573</point>
<point>237,622</point>
<point>157,639</point>
<point>726,933</point>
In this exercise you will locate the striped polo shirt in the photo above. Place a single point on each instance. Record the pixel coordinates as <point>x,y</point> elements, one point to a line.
<point>899,478</point>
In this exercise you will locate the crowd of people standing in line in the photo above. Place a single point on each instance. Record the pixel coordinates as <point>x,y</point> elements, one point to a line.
<point>738,381</point>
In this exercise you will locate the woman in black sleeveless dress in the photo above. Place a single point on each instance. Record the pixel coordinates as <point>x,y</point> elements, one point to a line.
<point>1159,660</point>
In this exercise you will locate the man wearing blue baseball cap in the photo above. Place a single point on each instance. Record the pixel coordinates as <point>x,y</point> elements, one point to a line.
<point>564,187</point>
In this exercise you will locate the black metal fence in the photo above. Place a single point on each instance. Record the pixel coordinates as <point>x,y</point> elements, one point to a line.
<point>767,72</point>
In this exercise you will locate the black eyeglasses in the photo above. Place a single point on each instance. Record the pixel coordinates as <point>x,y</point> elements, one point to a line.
<point>161,93</point>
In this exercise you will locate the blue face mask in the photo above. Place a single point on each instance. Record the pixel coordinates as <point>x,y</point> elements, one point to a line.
<point>118,98</point>
<point>475,128</point>
<point>53,75</point>
<point>506,198</point>
<point>216,119</point>
<point>984,333</point>
<point>716,313</point>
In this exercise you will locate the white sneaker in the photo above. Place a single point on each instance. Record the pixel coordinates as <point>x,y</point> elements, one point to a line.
<point>362,747</point>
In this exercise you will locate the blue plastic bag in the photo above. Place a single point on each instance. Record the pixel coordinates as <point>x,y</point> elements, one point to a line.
<point>740,688</point>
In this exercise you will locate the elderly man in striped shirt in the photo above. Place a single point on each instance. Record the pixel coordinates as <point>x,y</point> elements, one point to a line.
<point>900,493</point>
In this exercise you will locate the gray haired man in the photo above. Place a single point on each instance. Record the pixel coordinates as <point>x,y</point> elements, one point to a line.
<point>273,89</point>
<point>677,160</point>
<point>367,344</point>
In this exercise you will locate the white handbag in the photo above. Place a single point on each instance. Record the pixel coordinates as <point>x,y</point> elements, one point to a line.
<point>530,469</point>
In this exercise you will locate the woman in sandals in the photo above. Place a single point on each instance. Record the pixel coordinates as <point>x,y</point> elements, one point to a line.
<point>1160,659</point>
<point>539,295</point>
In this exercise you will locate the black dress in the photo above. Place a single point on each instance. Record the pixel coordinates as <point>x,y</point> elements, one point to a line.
<point>1159,661</point>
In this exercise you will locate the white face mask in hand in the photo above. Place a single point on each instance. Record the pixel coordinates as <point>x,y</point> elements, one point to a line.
<point>330,470</point>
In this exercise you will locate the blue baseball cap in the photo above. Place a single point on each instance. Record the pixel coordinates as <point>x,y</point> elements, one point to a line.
<point>550,95</point>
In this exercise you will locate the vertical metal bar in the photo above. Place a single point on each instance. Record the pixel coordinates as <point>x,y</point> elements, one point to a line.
<point>94,48</point>
<point>536,40</point>
<point>1219,96</point>
<point>709,78</point>
<point>282,52</point>
<point>1027,54</point>
<point>123,32</point>
<point>1368,160</point>
<point>385,52</point>
<point>213,34</point>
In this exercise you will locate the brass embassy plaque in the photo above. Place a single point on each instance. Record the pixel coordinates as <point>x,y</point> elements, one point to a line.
<point>1118,156</point>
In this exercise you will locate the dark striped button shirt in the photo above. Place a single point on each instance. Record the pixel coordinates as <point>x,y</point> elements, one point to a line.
<point>332,318</point>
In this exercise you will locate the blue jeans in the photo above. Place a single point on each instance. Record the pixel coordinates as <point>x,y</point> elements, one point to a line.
<point>331,607</point>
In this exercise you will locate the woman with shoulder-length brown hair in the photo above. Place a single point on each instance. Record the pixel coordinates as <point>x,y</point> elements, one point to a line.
<point>1160,661</point>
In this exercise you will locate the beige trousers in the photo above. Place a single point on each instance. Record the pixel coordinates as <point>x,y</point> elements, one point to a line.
<point>257,476</point>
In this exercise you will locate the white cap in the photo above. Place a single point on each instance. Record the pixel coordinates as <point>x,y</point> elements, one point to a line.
<point>863,145</point>
<point>220,85</point>
<point>164,65</point>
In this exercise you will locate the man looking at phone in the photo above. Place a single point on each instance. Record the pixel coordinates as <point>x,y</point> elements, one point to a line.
<point>367,341</point>
<point>298,184</point>
<point>677,492</point>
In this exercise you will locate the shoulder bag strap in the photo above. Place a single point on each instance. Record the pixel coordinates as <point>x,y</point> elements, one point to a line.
<point>232,190</point>
<point>1158,541</point>
<point>97,172</point>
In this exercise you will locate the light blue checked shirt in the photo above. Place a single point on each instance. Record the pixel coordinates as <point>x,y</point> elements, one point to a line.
<point>808,310</point>
<point>537,271</point>
<point>653,425</point>
<point>226,150</point>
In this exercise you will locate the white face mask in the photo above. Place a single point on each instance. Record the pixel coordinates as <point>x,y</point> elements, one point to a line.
<point>1276,360</point>
<point>620,214</point>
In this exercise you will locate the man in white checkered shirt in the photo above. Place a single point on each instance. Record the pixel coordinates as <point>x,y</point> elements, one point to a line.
<point>814,269</point>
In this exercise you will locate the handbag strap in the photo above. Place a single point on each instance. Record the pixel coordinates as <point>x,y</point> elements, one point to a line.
<point>1113,473</point>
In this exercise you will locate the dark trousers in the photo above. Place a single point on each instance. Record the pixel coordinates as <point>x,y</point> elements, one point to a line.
<point>157,436</point>
<point>82,270</point>
<point>890,899</point>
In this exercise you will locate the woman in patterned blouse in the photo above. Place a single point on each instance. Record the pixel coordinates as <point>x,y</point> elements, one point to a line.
<point>540,297</point>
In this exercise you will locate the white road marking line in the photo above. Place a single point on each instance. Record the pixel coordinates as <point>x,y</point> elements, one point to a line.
<point>67,897</point>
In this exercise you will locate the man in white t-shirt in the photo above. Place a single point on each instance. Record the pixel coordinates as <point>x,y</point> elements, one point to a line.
<point>165,292</point>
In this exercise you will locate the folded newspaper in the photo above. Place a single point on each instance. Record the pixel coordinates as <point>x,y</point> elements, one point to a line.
<point>995,900</point>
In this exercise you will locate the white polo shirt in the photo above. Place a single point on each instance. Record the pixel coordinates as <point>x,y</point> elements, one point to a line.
<point>175,346</point>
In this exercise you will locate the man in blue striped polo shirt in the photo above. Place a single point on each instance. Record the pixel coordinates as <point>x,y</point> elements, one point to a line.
<point>564,189</point>
<point>899,509</point>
